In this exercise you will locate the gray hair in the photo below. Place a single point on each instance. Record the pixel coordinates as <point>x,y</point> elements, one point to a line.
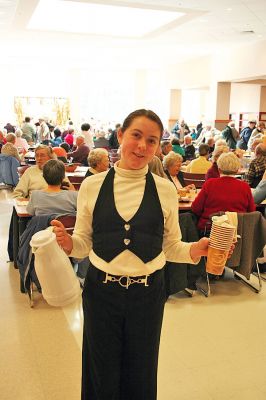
<point>228,163</point>
<point>48,149</point>
<point>95,156</point>
<point>171,158</point>
<point>18,132</point>
<point>54,172</point>
<point>218,151</point>
<point>220,142</point>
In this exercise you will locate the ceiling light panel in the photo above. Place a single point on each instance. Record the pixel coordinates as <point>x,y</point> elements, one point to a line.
<point>99,19</point>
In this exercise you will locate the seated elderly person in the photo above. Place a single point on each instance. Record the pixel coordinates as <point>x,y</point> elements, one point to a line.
<point>32,179</point>
<point>223,194</point>
<point>201,164</point>
<point>211,143</point>
<point>177,147</point>
<point>98,161</point>
<point>57,138</point>
<point>53,199</point>
<point>101,140</point>
<point>259,194</point>
<point>156,167</point>
<point>257,166</point>
<point>189,148</point>
<point>21,143</point>
<point>2,139</point>
<point>257,134</point>
<point>9,149</point>
<point>213,172</point>
<point>166,147</point>
<point>60,153</point>
<point>172,164</point>
<point>81,153</point>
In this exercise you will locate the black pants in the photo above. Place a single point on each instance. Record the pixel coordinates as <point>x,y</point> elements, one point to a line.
<point>121,338</point>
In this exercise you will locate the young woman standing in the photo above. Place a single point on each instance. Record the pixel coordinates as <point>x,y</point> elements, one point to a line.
<point>127,222</point>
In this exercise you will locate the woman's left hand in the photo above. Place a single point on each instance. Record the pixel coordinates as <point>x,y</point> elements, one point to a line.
<point>199,248</point>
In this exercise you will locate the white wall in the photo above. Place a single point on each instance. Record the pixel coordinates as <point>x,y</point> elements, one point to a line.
<point>194,105</point>
<point>244,97</point>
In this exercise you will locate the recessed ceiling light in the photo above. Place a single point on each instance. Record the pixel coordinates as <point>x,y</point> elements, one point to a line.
<point>229,9</point>
<point>99,19</point>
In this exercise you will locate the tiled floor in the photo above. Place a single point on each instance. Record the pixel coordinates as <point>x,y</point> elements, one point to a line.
<point>211,348</point>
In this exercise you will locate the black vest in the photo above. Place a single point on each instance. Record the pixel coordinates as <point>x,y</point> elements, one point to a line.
<point>142,234</point>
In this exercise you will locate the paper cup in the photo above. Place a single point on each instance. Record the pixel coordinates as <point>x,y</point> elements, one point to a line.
<point>216,260</point>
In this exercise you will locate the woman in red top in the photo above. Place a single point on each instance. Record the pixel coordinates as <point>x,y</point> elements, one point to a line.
<point>223,194</point>
<point>69,139</point>
<point>213,171</point>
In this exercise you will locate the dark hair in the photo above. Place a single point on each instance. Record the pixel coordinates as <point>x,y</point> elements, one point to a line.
<point>85,127</point>
<point>27,119</point>
<point>203,149</point>
<point>175,141</point>
<point>65,146</point>
<point>164,144</point>
<point>54,172</point>
<point>57,132</point>
<point>142,113</point>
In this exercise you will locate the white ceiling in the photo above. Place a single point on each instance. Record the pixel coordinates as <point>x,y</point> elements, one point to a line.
<point>209,26</point>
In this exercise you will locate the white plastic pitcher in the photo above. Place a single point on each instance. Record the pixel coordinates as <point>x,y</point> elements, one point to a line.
<point>59,283</point>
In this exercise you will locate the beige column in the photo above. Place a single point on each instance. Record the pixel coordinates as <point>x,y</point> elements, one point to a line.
<point>222,105</point>
<point>175,107</point>
<point>263,99</point>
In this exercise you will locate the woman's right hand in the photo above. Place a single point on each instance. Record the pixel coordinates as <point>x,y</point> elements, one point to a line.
<point>63,238</point>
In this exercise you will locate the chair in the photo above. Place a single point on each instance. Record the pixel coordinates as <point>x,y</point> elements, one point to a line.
<point>8,171</point>
<point>25,257</point>
<point>252,231</point>
<point>76,181</point>
<point>22,169</point>
<point>183,276</point>
<point>196,179</point>
<point>68,221</point>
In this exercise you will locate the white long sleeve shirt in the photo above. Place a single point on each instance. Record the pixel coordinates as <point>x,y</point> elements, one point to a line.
<point>129,188</point>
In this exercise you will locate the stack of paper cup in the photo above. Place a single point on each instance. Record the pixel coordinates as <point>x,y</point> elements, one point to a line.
<point>221,239</point>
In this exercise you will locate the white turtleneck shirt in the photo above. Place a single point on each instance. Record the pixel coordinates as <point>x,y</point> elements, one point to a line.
<point>129,188</point>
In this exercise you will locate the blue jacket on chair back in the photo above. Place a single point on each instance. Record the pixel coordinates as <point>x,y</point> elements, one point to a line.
<point>9,170</point>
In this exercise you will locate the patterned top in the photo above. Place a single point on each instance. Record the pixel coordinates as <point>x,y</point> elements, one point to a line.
<point>256,170</point>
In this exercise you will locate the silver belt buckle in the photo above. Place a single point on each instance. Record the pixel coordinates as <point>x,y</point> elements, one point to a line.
<point>129,281</point>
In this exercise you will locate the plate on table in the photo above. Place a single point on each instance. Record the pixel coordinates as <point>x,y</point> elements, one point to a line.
<point>185,199</point>
<point>22,202</point>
